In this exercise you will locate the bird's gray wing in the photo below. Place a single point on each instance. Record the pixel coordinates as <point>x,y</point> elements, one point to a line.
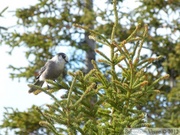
<point>39,83</point>
<point>49,65</point>
<point>41,71</point>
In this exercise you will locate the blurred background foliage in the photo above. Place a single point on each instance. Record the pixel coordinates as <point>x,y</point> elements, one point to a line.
<point>48,27</point>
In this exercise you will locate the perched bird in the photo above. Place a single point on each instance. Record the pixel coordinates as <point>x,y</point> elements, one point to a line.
<point>51,70</point>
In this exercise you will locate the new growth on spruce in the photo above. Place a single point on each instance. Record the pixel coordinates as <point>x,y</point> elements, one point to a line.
<point>105,103</point>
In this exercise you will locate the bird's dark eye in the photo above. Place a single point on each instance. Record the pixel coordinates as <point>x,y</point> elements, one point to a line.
<point>64,56</point>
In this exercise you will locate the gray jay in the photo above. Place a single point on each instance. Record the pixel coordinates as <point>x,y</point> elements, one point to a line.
<point>51,70</point>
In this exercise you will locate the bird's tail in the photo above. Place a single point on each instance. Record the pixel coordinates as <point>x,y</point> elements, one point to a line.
<point>35,90</point>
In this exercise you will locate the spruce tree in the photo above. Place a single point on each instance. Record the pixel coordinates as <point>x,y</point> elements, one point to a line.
<point>107,101</point>
<point>118,92</point>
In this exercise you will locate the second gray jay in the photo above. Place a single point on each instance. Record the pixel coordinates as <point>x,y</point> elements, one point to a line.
<point>51,70</point>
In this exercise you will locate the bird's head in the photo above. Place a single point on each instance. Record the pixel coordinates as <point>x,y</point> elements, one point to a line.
<point>62,56</point>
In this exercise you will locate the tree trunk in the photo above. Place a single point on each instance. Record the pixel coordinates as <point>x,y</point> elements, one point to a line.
<point>90,54</point>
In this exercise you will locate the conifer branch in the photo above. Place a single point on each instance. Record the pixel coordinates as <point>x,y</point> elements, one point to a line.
<point>116,20</point>
<point>84,94</point>
<point>70,91</point>
<point>48,123</point>
<point>94,34</point>
<point>130,37</point>
<point>45,91</point>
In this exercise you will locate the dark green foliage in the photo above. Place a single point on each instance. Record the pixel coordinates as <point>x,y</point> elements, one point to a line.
<point>125,93</point>
<point>1,27</point>
<point>99,104</point>
<point>23,122</point>
<point>48,30</point>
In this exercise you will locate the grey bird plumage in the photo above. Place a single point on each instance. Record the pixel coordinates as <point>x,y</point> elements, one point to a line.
<point>51,70</point>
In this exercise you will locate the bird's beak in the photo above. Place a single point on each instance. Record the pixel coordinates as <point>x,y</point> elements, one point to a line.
<point>66,59</point>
